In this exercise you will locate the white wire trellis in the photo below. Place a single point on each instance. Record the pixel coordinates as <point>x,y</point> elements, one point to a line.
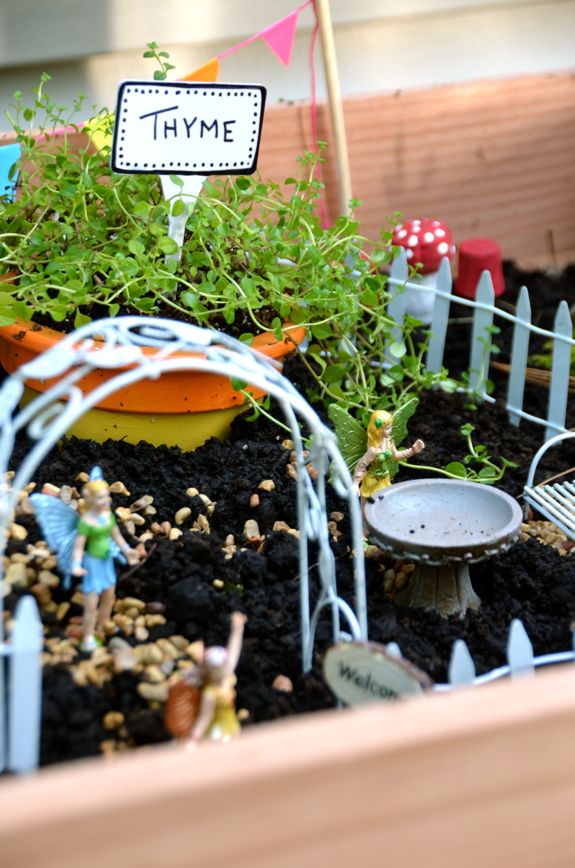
<point>113,344</point>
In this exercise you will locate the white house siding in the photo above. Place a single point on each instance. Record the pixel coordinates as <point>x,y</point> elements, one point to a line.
<point>382,45</point>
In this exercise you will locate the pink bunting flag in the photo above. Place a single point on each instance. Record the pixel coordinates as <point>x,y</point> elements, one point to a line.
<point>281,36</point>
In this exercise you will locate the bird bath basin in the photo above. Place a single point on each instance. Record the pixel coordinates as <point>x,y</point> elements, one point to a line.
<point>442,525</point>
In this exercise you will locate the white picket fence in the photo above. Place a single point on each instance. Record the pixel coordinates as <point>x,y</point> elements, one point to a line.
<point>21,690</point>
<point>520,660</point>
<point>485,316</point>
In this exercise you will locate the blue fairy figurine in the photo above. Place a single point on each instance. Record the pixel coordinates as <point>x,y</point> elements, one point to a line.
<point>86,545</point>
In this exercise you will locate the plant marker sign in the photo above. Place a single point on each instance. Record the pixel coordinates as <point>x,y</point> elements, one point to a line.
<point>187,128</point>
<point>362,672</point>
<point>183,132</point>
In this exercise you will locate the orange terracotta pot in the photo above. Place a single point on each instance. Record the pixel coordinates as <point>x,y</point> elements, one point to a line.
<point>179,408</point>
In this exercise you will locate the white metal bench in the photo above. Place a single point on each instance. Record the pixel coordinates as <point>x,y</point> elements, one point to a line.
<point>556,501</point>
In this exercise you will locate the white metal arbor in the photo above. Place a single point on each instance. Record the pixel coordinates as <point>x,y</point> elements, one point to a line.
<point>113,344</point>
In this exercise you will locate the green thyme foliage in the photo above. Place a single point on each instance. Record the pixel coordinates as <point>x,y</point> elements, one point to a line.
<point>544,360</point>
<point>476,466</point>
<point>85,242</point>
<point>162,59</point>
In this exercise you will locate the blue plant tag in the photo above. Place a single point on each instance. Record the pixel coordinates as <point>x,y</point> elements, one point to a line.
<point>9,154</point>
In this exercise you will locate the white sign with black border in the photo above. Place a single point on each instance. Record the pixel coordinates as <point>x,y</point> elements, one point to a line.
<point>187,128</point>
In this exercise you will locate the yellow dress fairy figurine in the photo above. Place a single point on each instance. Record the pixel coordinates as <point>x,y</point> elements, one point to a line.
<point>374,468</point>
<point>201,704</point>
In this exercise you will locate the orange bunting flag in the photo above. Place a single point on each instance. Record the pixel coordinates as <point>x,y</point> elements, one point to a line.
<point>210,71</point>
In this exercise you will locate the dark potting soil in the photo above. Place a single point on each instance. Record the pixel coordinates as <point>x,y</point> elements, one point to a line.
<point>531,581</point>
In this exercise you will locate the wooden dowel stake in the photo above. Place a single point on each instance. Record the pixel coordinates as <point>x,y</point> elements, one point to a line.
<point>335,103</point>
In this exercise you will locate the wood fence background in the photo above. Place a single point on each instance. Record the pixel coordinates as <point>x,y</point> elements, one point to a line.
<point>492,158</point>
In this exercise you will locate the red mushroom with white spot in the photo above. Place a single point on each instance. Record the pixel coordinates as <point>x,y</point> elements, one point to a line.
<point>426,242</point>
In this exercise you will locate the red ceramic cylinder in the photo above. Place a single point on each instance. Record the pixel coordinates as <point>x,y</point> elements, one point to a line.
<point>475,256</point>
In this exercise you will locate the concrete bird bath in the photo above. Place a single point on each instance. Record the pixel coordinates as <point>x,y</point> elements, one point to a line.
<point>442,525</point>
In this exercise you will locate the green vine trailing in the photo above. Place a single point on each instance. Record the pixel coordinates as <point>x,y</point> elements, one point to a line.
<point>485,470</point>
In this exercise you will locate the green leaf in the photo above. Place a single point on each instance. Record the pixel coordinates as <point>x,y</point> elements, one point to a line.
<point>136,247</point>
<point>167,245</point>
<point>487,474</point>
<point>144,304</point>
<point>247,339</point>
<point>335,373</point>
<point>397,349</point>
<point>237,384</point>
<point>449,386</point>
<point>457,469</point>
<point>58,313</point>
<point>81,319</point>
<point>177,181</point>
<point>321,331</point>
<point>189,298</point>
<point>141,210</point>
<point>178,208</point>
<point>369,298</point>
<point>159,75</point>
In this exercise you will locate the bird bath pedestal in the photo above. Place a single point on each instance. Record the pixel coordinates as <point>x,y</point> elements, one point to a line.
<point>442,525</point>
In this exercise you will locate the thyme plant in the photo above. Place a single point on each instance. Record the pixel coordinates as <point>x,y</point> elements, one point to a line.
<point>82,242</point>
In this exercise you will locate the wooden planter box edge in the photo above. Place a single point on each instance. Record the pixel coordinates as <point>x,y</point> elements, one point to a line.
<point>483,776</point>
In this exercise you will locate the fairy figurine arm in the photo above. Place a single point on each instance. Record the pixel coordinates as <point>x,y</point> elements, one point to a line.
<point>234,647</point>
<point>120,548</point>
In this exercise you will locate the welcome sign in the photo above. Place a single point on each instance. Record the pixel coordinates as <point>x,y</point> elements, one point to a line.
<point>187,128</point>
<point>361,672</point>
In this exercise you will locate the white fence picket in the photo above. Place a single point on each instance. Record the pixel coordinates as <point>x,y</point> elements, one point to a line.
<point>560,366</point>
<point>396,307</point>
<point>24,707</point>
<point>484,312</point>
<point>519,354</point>
<point>3,708</point>
<point>393,649</point>
<point>519,650</point>
<point>440,318</point>
<point>461,665</point>
<point>481,334</point>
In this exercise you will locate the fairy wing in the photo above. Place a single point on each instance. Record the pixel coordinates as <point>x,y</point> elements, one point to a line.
<point>400,419</point>
<point>351,435</point>
<point>182,708</point>
<point>58,523</point>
